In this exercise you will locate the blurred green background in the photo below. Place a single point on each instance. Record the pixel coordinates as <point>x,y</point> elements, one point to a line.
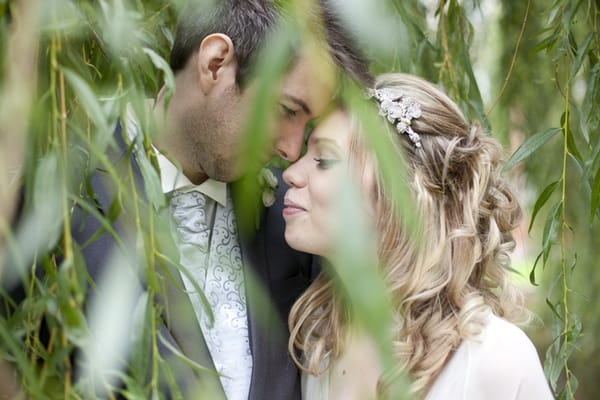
<point>529,70</point>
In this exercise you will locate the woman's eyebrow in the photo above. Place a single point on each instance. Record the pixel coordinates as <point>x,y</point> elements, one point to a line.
<point>325,142</point>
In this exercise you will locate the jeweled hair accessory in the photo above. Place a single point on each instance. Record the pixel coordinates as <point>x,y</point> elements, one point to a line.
<point>399,109</point>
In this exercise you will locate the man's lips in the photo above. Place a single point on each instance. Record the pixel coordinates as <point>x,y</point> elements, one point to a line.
<point>291,208</point>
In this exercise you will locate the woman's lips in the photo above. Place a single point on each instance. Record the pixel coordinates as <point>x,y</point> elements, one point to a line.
<point>291,208</point>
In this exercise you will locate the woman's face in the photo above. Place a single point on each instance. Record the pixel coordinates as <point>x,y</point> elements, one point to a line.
<point>309,205</point>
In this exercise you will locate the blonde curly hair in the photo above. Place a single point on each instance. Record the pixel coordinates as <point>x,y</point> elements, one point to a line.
<point>441,283</point>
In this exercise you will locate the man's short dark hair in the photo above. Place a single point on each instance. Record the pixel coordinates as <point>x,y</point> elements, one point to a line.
<point>248,23</point>
<point>343,46</point>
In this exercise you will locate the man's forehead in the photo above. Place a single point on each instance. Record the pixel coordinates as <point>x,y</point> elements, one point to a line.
<point>310,83</point>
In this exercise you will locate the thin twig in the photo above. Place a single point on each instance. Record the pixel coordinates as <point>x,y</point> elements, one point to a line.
<point>563,262</point>
<point>513,61</point>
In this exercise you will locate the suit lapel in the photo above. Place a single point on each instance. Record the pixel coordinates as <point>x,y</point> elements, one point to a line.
<point>259,320</point>
<point>268,267</point>
<point>181,322</point>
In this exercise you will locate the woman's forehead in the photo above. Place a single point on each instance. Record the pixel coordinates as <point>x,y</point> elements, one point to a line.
<point>335,126</point>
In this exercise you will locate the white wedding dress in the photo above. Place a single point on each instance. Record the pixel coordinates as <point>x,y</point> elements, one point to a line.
<point>499,364</point>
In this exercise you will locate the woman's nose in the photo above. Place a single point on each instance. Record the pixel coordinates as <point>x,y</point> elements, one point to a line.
<point>293,175</point>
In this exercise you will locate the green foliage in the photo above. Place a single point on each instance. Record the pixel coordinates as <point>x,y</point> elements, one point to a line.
<point>94,57</point>
<point>530,146</point>
<point>567,35</point>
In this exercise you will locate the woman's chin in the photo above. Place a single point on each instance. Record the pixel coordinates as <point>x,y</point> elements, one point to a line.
<point>303,243</point>
<point>293,241</point>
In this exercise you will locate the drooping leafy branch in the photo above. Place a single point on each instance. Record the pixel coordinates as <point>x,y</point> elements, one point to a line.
<point>95,57</point>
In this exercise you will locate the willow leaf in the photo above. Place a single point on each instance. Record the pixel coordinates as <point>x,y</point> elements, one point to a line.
<point>188,361</point>
<point>530,146</point>
<point>141,334</point>
<point>88,99</point>
<point>161,64</point>
<point>11,347</point>
<point>70,314</point>
<point>152,183</point>
<point>546,44</point>
<point>550,229</point>
<point>571,145</point>
<point>581,53</point>
<point>171,381</point>
<point>532,273</point>
<point>541,201</point>
<point>595,198</point>
<point>553,368</point>
<point>590,107</point>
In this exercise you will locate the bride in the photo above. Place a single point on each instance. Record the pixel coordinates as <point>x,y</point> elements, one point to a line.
<point>455,308</point>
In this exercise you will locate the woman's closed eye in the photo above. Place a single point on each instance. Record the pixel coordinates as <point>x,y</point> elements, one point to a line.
<point>325,163</point>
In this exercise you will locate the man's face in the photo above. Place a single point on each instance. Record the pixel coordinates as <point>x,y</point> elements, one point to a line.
<point>305,92</point>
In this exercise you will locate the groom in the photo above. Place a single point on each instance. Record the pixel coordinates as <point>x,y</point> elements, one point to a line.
<point>198,149</point>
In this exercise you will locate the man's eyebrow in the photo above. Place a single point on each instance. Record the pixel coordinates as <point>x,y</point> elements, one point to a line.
<point>299,103</point>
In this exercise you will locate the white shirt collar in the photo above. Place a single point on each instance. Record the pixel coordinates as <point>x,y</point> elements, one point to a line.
<point>171,177</point>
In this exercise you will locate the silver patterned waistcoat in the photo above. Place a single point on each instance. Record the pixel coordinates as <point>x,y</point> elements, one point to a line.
<point>211,254</point>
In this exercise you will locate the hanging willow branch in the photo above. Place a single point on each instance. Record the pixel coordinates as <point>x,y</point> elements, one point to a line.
<point>63,89</point>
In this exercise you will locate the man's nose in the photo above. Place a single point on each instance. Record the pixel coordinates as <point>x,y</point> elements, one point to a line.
<point>289,144</point>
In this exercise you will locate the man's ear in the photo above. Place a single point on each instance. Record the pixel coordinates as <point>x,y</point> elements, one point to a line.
<point>216,61</point>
